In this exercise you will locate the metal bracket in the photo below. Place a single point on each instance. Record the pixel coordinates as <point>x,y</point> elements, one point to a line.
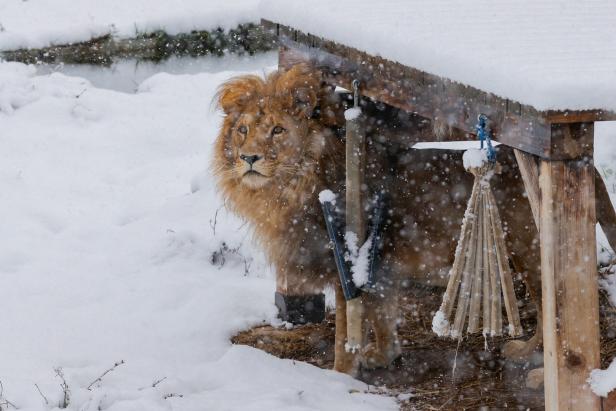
<point>334,230</point>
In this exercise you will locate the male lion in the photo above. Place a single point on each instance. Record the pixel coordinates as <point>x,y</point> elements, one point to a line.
<point>278,149</point>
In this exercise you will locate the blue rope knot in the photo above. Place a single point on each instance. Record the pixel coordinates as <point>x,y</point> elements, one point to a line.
<point>484,135</point>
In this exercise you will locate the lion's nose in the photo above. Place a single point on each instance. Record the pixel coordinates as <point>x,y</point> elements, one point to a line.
<point>250,159</point>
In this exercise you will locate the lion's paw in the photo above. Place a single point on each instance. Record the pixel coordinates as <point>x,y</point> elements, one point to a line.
<point>372,357</point>
<point>518,350</point>
<point>534,379</point>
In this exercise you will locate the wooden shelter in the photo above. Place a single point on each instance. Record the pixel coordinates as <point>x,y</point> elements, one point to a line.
<point>554,149</point>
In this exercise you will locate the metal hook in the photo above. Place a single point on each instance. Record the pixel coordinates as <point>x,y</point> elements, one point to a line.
<point>355,85</point>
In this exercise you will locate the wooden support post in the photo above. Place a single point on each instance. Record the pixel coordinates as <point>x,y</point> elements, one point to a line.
<point>569,280</point>
<point>355,220</point>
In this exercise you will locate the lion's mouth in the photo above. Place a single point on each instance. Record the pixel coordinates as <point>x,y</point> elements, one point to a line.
<point>254,179</point>
<point>252,172</point>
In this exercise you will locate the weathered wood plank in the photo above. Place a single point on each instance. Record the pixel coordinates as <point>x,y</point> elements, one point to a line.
<point>436,98</point>
<point>572,140</point>
<point>606,215</point>
<point>569,284</point>
<point>579,116</point>
<point>529,170</point>
<point>605,210</point>
<point>526,132</point>
<point>428,96</point>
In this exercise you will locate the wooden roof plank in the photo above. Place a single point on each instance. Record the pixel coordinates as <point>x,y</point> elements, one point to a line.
<point>515,124</point>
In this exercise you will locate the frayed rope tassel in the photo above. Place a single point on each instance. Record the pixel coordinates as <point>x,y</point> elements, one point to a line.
<point>480,279</point>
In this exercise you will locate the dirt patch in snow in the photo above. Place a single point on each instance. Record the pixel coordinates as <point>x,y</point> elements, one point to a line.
<point>312,343</point>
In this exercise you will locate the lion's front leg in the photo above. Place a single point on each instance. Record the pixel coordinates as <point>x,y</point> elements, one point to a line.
<point>382,312</point>
<point>521,350</point>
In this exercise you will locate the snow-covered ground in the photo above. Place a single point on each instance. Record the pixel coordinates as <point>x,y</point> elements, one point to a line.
<point>40,23</point>
<point>109,223</point>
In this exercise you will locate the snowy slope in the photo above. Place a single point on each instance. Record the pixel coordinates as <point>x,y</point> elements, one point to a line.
<point>40,23</point>
<point>558,54</point>
<point>109,221</point>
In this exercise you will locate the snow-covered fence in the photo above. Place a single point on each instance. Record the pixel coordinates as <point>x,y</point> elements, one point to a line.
<point>155,46</point>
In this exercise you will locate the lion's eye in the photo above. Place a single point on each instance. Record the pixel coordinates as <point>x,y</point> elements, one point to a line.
<point>242,129</point>
<point>277,130</point>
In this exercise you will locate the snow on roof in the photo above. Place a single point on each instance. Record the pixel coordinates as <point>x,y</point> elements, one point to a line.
<point>551,54</point>
<point>450,145</point>
<point>41,23</point>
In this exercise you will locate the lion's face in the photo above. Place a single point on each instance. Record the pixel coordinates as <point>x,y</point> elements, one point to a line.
<point>266,146</point>
<point>268,136</point>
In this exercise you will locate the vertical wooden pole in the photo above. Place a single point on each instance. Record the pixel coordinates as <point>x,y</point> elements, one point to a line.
<point>569,283</point>
<point>355,218</point>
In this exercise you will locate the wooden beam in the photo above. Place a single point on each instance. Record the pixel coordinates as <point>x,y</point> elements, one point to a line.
<point>569,284</point>
<point>571,140</point>
<point>605,210</point>
<point>529,169</point>
<point>606,215</point>
<point>579,116</point>
<point>428,96</point>
<point>436,98</point>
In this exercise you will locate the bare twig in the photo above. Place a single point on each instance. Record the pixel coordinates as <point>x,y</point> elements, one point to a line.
<point>100,378</point>
<point>3,401</point>
<point>446,402</point>
<point>154,384</point>
<point>247,264</point>
<point>171,395</point>
<point>66,397</point>
<point>213,223</point>
<point>219,257</point>
<point>42,395</point>
<point>6,403</point>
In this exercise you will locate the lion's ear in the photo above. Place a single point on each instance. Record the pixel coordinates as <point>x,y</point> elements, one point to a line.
<point>298,89</point>
<point>234,95</point>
